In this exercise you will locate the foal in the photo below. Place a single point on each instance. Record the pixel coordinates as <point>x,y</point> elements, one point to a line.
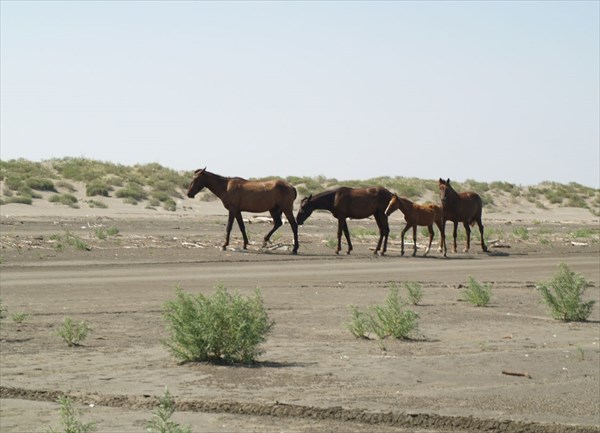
<point>416,215</point>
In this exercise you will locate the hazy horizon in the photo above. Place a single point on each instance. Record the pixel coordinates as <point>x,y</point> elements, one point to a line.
<point>490,91</point>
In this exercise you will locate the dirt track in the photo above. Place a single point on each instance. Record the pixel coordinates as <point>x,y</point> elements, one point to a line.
<point>314,375</point>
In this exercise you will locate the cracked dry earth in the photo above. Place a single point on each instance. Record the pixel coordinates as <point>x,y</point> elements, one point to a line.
<point>314,375</point>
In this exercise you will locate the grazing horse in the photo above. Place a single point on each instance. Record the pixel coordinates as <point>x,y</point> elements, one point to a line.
<point>237,195</point>
<point>416,215</point>
<point>356,203</point>
<point>465,207</point>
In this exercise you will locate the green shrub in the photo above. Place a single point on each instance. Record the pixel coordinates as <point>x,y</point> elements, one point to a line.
<point>132,192</point>
<point>477,294</point>
<point>389,319</point>
<point>97,187</point>
<point>220,328</point>
<point>564,293</point>
<point>73,333</point>
<point>161,422</point>
<point>19,200</point>
<point>97,204</point>
<point>40,184</point>
<point>415,292</point>
<point>69,418</point>
<point>65,199</point>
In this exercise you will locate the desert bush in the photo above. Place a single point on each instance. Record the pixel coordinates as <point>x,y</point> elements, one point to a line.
<point>18,199</point>
<point>73,333</point>
<point>218,328</point>
<point>415,292</point>
<point>97,204</point>
<point>97,187</point>
<point>132,192</point>
<point>2,310</point>
<point>40,184</point>
<point>564,295</point>
<point>389,319</point>
<point>161,421</point>
<point>66,185</point>
<point>19,317</point>
<point>65,199</point>
<point>69,416</point>
<point>476,293</point>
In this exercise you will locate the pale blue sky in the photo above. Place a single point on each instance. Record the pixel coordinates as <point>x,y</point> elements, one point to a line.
<point>482,90</point>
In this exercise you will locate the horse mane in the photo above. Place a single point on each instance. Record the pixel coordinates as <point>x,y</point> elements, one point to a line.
<point>324,198</point>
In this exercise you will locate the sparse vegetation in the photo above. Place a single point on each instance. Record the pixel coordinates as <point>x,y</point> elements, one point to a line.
<point>161,421</point>
<point>390,319</point>
<point>19,317</point>
<point>223,327</point>
<point>476,293</point>
<point>73,333</point>
<point>65,199</point>
<point>69,416</point>
<point>564,295</point>
<point>139,183</point>
<point>415,292</point>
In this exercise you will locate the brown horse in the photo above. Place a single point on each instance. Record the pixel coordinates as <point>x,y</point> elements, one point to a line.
<point>237,195</point>
<point>465,207</point>
<point>356,203</point>
<point>416,215</point>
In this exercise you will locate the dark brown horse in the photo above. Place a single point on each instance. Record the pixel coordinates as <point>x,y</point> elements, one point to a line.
<point>237,195</point>
<point>356,203</point>
<point>464,207</point>
<point>416,215</point>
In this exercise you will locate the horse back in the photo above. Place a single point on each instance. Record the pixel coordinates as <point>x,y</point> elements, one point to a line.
<point>260,196</point>
<point>361,203</point>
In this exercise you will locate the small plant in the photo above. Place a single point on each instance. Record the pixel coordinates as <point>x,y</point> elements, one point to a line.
<point>65,199</point>
<point>73,333</point>
<point>2,310</point>
<point>161,422</point>
<point>77,242</point>
<point>564,293</point>
<point>415,292</point>
<point>220,328</point>
<point>389,319</point>
<point>19,317</point>
<point>359,325</point>
<point>69,417</point>
<point>476,293</point>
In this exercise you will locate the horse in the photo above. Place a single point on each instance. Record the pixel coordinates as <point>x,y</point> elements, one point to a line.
<point>416,215</point>
<point>356,203</point>
<point>237,195</point>
<point>465,207</point>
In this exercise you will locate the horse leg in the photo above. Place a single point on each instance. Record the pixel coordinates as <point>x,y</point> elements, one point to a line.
<point>240,221</point>
<point>339,235</point>
<point>414,227</point>
<point>406,227</point>
<point>454,234</point>
<point>468,230</point>
<point>276,215</point>
<point>386,232</point>
<point>228,229</point>
<point>480,225</point>
<point>347,234</point>
<point>443,236</point>
<point>430,228</point>
<point>289,214</point>
<point>382,232</point>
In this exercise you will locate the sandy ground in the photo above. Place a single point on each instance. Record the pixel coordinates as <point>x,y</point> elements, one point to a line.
<point>314,375</point>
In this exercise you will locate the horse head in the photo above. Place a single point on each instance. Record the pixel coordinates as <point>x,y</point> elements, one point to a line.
<point>197,183</point>
<point>445,188</point>
<point>393,205</point>
<point>306,208</point>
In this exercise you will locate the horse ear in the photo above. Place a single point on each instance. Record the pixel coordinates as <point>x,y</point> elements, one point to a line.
<point>448,181</point>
